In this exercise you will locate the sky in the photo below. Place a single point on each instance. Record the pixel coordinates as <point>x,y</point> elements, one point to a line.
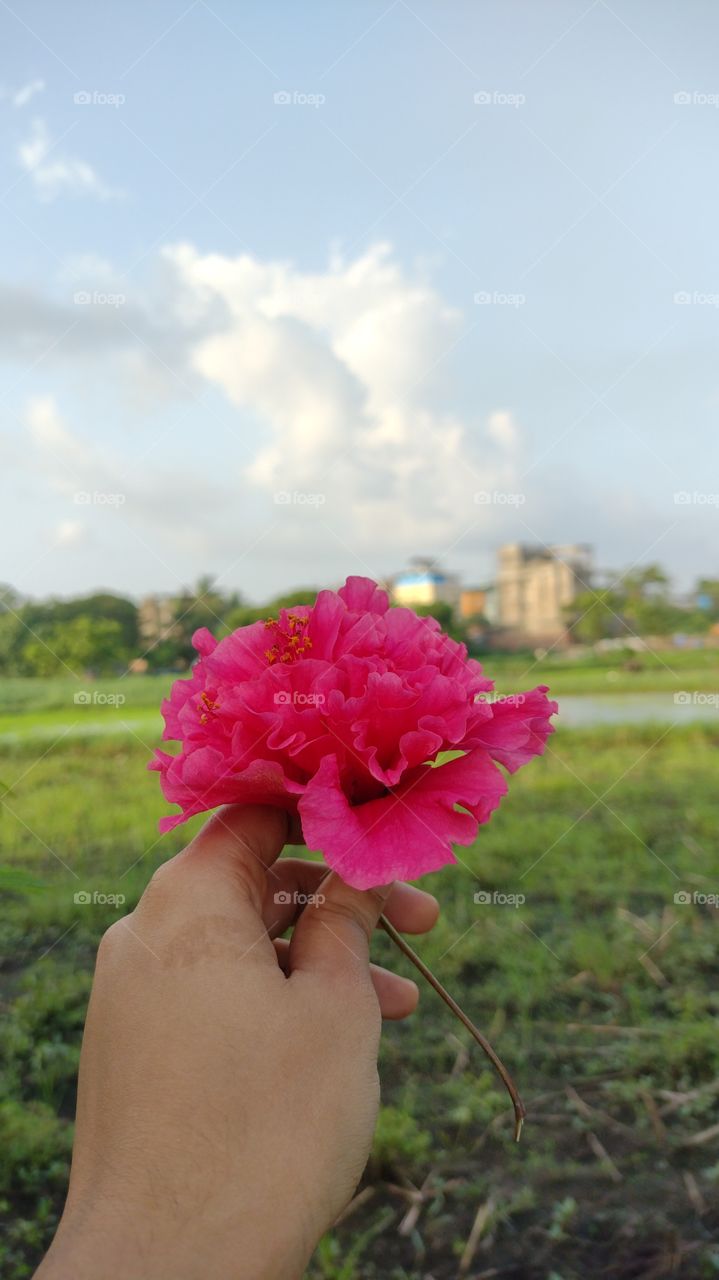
<point>292,292</point>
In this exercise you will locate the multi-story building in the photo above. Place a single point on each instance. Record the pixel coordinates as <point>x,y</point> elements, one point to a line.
<point>536,584</point>
<point>476,602</point>
<point>156,618</point>
<point>424,583</point>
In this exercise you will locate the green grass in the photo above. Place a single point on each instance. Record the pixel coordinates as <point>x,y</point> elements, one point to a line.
<point>47,707</point>
<point>599,992</point>
<point>623,672</point>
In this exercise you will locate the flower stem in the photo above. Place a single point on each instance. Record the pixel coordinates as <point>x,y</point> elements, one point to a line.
<point>518,1105</point>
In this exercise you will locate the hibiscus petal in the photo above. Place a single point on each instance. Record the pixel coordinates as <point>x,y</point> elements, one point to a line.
<point>204,642</point>
<point>362,595</point>
<point>518,729</point>
<point>406,833</point>
<point>355,717</point>
<point>202,780</point>
<point>239,656</point>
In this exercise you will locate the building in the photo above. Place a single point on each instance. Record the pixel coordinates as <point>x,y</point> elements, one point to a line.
<point>425,584</point>
<point>534,587</point>
<point>156,618</point>
<point>479,602</point>
<point>472,601</point>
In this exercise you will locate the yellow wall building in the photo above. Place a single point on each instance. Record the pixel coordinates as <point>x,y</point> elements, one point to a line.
<point>536,584</point>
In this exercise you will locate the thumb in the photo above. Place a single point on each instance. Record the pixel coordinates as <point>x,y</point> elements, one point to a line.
<point>215,888</point>
<point>333,934</point>
<point>236,849</point>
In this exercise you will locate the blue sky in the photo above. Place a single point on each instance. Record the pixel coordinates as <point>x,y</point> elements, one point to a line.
<point>462,288</point>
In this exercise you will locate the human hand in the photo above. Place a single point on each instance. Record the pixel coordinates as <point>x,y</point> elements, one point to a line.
<point>228,1083</point>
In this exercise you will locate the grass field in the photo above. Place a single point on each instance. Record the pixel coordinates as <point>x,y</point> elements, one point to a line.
<point>599,990</point>
<point>47,707</point>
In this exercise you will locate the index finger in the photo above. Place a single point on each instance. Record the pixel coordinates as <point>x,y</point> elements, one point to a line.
<point>237,848</point>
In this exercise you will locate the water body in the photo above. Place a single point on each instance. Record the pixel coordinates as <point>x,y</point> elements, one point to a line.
<point>576,711</point>
<point>584,711</point>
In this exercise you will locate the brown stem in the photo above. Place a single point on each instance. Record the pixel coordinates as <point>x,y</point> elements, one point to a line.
<point>519,1109</point>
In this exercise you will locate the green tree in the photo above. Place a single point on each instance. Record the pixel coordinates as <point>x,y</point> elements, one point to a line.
<point>245,614</point>
<point>643,584</point>
<point>639,603</point>
<point>204,605</point>
<point>102,606</point>
<point>12,634</point>
<point>596,615</point>
<point>707,592</point>
<point>657,617</point>
<point>647,604</point>
<point>290,600</point>
<point>83,644</point>
<point>440,610</point>
<point>10,599</point>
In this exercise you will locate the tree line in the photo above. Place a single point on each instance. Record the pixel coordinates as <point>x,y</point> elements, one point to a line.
<point>641,603</point>
<point>104,633</point>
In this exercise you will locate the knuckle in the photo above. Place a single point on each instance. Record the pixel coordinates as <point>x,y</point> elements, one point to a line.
<point>164,887</point>
<point>249,877</point>
<point>340,910</point>
<point>111,940</point>
<point>378,898</point>
<point>162,874</point>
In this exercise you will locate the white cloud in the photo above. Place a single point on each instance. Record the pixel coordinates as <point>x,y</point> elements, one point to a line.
<point>46,425</point>
<point>163,505</point>
<point>334,383</point>
<point>52,174</point>
<point>63,457</point>
<point>344,367</point>
<point>69,533</point>
<point>22,96</point>
<point>502,428</point>
<point>88,268</point>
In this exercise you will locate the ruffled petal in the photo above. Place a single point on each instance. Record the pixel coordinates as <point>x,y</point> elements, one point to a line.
<point>362,595</point>
<point>405,833</point>
<point>201,781</point>
<point>204,642</point>
<point>342,707</point>
<point>518,728</point>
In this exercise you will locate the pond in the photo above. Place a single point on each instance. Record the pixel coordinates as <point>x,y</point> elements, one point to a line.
<point>586,710</point>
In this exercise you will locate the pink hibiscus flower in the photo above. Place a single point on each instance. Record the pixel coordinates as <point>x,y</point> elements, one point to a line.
<point>341,712</point>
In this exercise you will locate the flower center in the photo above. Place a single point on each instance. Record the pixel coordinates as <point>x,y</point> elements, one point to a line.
<point>207,708</point>
<point>290,644</point>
